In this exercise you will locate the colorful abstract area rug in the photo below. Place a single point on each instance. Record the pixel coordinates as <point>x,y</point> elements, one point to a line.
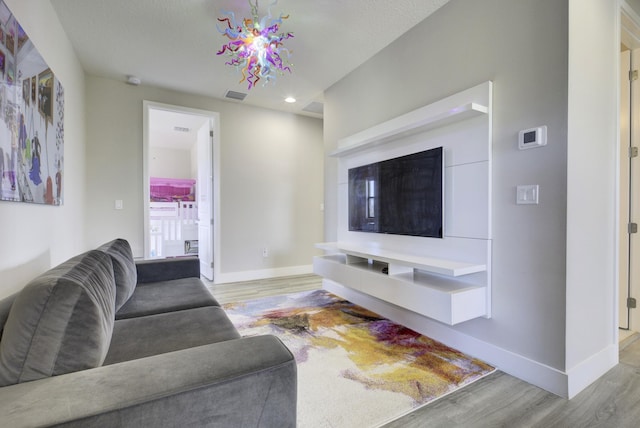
<point>355,368</point>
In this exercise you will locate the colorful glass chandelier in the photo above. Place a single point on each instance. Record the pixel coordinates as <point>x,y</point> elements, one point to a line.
<point>255,45</point>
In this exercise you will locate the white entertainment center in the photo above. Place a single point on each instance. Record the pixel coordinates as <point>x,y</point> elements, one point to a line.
<point>446,279</point>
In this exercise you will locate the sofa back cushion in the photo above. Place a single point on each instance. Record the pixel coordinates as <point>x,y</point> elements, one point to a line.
<point>124,269</point>
<point>61,321</point>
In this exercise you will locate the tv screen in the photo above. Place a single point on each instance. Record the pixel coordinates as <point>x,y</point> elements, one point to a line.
<point>402,196</point>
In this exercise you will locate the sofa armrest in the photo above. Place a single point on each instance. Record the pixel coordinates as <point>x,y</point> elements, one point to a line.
<point>167,269</point>
<point>238,383</point>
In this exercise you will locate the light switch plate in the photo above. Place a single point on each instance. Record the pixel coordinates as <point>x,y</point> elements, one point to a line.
<point>118,204</point>
<point>527,194</point>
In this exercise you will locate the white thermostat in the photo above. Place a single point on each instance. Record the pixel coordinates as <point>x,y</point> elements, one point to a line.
<point>531,138</point>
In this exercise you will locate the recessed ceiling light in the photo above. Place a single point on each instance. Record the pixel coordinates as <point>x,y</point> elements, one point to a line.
<point>290,100</point>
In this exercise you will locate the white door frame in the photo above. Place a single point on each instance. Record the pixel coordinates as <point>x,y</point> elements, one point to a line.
<point>629,34</point>
<point>215,152</point>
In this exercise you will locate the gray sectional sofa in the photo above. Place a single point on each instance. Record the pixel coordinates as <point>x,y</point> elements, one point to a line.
<point>101,340</point>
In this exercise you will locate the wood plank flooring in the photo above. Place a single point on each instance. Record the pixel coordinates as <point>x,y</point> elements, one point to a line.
<point>498,400</point>
<point>239,291</point>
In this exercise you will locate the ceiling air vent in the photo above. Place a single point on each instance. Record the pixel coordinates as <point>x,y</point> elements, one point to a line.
<point>181,129</point>
<point>314,107</point>
<point>240,96</point>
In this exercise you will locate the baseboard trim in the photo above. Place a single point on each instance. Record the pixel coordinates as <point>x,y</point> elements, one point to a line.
<point>535,373</point>
<point>252,275</point>
<point>586,372</point>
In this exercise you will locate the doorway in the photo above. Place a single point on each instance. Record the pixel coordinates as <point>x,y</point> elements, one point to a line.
<point>180,184</point>
<point>629,238</point>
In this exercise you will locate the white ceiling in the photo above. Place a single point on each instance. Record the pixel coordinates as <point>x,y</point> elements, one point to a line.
<point>173,43</point>
<point>163,132</point>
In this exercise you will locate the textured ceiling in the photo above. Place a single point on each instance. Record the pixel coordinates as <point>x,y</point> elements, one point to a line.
<point>173,43</point>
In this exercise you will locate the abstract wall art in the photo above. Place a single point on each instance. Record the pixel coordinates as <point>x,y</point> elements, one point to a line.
<point>31,120</point>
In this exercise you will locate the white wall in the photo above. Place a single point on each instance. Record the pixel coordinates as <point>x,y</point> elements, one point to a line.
<point>271,177</point>
<point>37,237</point>
<point>522,46</point>
<point>170,163</point>
<point>591,186</point>
<point>193,162</point>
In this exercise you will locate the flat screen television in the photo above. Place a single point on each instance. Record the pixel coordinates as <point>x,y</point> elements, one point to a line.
<point>401,196</point>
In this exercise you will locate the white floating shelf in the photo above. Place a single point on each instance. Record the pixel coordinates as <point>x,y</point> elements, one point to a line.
<point>445,267</point>
<point>419,120</point>
<point>444,299</point>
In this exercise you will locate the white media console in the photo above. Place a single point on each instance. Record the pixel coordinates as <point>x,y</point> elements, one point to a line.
<point>446,279</point>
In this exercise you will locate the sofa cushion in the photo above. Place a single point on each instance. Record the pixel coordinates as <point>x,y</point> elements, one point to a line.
<point>61,321</point>
<point>124,269</point>
<point>154,270</point>
<point>141,337</point>
<point>166,296</point>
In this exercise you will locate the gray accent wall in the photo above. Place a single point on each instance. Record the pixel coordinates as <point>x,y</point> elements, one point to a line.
<point>461,45</point>
<point>522,46</point>
<point>552,63</point>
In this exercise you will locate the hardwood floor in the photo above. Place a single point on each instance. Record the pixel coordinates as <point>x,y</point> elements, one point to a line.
<point>238,291</point>
<point>498,400</point>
